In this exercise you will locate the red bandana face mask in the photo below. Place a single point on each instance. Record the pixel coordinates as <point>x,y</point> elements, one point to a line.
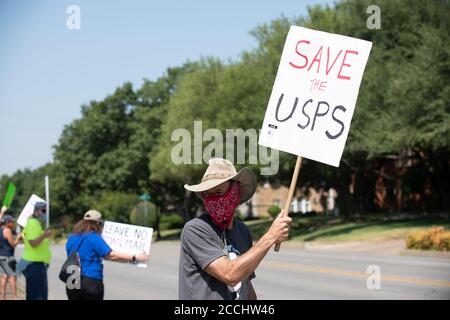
<point>221,208</point>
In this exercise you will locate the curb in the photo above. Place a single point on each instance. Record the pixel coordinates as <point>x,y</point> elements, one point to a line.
<point>394,247</point>
<point>425,254</point>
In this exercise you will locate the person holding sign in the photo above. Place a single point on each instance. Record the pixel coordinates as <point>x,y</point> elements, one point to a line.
<point>7,262</point>
<point>217,259</point>
<point>86,239</point>
<point>36,255</point>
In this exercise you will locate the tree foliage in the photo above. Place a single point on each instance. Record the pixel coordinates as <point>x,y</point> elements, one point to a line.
<point>121,146</point>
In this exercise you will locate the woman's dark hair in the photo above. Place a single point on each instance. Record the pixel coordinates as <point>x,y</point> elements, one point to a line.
<point>84,226</point>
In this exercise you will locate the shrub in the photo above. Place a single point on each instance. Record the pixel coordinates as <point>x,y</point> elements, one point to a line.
<point>274,210</point>
<point>115,206</point>
<point>171,221</point>
<point>57,235</point>
<point>436,238</point>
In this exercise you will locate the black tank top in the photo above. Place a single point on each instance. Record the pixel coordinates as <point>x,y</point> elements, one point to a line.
<point>6,250</point>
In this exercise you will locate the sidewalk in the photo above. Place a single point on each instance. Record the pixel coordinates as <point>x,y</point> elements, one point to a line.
<point>387,247</point>
<point>20,290</point>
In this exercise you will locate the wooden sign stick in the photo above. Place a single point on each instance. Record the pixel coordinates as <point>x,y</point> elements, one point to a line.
<point>287,205</point>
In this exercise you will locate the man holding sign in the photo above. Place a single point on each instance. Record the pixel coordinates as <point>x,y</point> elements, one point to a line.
<point>218,258</point>
<point>313,97</point>
<point>37,254</point>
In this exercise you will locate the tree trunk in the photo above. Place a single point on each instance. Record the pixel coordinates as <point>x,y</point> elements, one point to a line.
<point>250,210</point>
<point>344,178</point>
<point>399,193</point>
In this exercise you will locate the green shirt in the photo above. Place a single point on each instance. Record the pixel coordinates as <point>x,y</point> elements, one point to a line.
<point>41,253</point>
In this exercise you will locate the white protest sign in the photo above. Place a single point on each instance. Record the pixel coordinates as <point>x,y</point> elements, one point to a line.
<point>127,238</point>
<point>28,210</point>
<point>314,94</point>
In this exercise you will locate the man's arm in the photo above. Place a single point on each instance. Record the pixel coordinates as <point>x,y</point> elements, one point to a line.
<point>35,242</point>
<point>231,272</point>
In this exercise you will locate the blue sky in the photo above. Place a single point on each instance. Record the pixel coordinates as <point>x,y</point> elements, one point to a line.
<point>48,71</point>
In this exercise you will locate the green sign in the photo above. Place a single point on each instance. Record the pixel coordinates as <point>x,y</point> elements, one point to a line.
<point>10,191</point>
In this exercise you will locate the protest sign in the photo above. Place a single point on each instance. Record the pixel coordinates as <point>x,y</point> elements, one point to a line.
<point>127,238</point>
<point>314,94</point>
<point>314,97</point>
<point>10,191</point>
<point>28,210</point>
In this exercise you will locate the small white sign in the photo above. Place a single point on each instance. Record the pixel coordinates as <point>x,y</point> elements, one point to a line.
<point>28,210</point>
<point>314,94</point>
<point>128,238</point>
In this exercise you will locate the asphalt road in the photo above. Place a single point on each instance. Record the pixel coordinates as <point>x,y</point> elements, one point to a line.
<point>293,273</point>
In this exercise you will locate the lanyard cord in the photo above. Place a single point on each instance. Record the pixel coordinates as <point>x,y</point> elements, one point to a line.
<point>224,241</point>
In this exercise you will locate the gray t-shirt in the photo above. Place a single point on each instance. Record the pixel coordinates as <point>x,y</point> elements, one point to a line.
<point>202,242</point>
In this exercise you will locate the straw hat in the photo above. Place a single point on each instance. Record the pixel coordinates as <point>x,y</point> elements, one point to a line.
<point>220,170</point>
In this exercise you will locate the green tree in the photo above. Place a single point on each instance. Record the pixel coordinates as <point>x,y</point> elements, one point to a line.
<point>115,206</point>
<point>122,145</point>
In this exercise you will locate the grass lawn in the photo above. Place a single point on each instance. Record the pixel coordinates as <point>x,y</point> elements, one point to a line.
<point>173,234</point>
<point>336,230</point>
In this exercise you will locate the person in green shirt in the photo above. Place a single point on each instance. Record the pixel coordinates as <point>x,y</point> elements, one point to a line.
<point>36,255</point>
